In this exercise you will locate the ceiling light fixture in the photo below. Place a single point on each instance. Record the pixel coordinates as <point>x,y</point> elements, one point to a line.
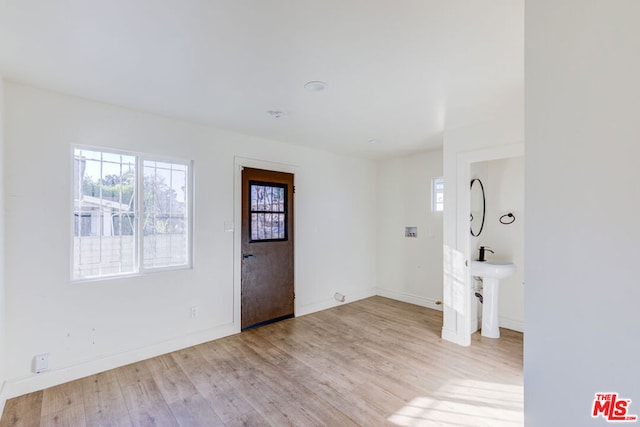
<point>276,114</point>
<point>316,86</point>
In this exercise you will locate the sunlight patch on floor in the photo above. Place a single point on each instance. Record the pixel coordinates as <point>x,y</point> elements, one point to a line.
<point>465,403</point>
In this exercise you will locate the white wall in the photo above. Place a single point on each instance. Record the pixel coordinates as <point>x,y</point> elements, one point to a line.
<point>582,202</point>
<point>409,269</point>
<point>3,348</point>
<point>89,327</point>
<point>504,191</point>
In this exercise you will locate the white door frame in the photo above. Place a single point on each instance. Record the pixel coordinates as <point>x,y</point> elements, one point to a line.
<point>464,159</point>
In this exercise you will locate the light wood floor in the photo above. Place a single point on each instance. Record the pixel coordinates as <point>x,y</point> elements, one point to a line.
<point>372,362</point>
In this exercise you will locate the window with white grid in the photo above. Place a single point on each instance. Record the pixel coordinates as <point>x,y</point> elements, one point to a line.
<point>437,194</point>
<point>131,213</point>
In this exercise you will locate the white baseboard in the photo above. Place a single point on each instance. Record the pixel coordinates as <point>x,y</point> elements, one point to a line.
<point>516,325</point>
<point>3,397</point>
<point>35,382</point>
<point>411,299</point>
<point>20,386</point>
<point>454,337</point>
<point>331,302</point>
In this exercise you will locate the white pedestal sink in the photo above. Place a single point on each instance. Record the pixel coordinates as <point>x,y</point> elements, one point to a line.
<point>491,273</point>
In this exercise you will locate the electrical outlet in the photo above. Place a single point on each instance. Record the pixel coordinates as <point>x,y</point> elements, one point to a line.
<point>194,311</point>
<point>40,363</point>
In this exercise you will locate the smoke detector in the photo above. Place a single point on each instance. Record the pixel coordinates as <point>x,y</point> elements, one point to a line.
<point>316,86</point>
<point>276,114</point>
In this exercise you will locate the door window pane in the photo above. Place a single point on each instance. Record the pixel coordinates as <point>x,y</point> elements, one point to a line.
<point>268,211</point>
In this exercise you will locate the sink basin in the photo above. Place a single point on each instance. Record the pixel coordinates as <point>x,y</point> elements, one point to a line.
<point>492,269</point>
<point>491,273</point>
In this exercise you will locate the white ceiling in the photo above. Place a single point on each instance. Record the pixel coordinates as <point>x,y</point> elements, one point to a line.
<point>399,71</point>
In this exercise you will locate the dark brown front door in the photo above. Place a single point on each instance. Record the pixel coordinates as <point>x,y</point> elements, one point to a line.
<point>267,247</point>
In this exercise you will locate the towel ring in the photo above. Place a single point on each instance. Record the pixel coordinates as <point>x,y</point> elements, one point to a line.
<point>507,218</point>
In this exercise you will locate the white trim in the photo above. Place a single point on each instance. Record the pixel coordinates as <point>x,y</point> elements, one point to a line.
<point>410,298</point>
<point>513,324</point>
<point>497,152</point>
<point>455,337</point>
<point>20,386</point>
<point>3,396</point>
<point>330,302</point>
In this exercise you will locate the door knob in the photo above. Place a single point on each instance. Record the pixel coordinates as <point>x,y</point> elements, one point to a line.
<point>245,256</point>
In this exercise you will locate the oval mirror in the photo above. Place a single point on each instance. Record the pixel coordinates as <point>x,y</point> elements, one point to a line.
<point>478,207</point>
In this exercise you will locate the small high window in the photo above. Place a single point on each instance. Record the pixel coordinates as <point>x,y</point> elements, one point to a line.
<point>437,194</point>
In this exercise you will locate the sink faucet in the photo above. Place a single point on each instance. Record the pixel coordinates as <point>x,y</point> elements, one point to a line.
<point>482,251</point>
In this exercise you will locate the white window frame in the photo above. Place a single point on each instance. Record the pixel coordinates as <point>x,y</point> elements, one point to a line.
<point>435,182</point>
<point>139,268</point>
